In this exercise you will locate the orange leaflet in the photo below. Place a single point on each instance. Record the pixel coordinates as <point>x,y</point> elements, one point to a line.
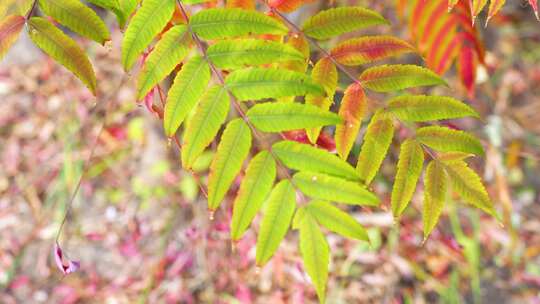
<point>287,5</point>
<point>352,110</point>
<point>245,4</point>
<point>10,28</point>
<point>368,49</point>
<point>494,7</point>
<point>477,6</point>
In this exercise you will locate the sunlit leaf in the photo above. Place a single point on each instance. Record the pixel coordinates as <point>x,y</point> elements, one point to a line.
<point>77,17</point>
<point>325,74</point>
<point>168,53</point>
<point>352,109</point>
<point>260,83</point>
<point>231,153</point>
<point>187,89</point>
<point>149,21</point>
<point>409,168</point>
<point>277,117</point>
<point>469,186</point>
<point>203,126</point>
<point>377,140</point>
<point>304,157</point>
<point>63,49</point>
<point>336,220</point>
<point>435,189</point>
<point>229,54</point>
<point>10,28</point>
<point>326,187</point>
<point>419,108</point>
<point>337,21</point>
<point>358,51</point>
<point>276,220</point>
<point>315,254</point>
<point>254,189</point>
<point>388,78</point>
<point>449,140</point>
<point>216,23</point>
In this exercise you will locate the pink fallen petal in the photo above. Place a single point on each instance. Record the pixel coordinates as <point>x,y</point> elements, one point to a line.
<point>68,268</point>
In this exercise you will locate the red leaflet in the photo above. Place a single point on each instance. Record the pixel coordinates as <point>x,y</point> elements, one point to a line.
<point>287,5</point>
<point>467,68</point>
<point>352,110</point>
<point>370,48</point>
<point>10,28</point>
<point>323,141</point>
<point>534,5</point>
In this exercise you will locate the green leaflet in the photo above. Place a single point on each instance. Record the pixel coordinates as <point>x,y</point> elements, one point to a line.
<point>315,254</point>
<point>468,185</point>
<point>195,1</point>
<point>435,189</point>
<point>113,6</point>
<point>254,189</point>
<point>336,220</point>
<point>298,217</point>
<point>277,117</point>
<point>10,28</point>
<point>387,78</point>
<point>422,108</point>
<point>188,87</point>
<point>304,157</point>
<point>409,168</point>
<point>375,146</point>
<point>449,140</point>
<point>325,74</point>
<point>229,54</point>
<point>63,49</point>
<point>149,21</point>
<point>14,7</point>
<point>337,21</point>
<point>77,17</point>
<point>276,220</point>
<point>260,83</point>
<point>203,126</point>
<point>325,187</point>
<point>215,23</point>
<point>168,53</point>
<point>231,153</point>
<point>128,8</point>
<point>449,157</point>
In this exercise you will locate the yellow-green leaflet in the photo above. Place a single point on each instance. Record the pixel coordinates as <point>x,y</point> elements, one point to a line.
<point>336,21</point>
<point>254,189</point>
<point>203,126</point>
<point>10,28</point>
<point>63,49</point>
<point>188,87</point>
<point>229,54</point>
<point>419,108</point>
<point>388,78</point>
<point>325,74</point>
<point>325,187</point>
<point>77,17</point>
<point>377,140</point>
<point>315,254</point>
<point>149,21</point>
<point>469,186</point>
<point>168,53</point>
<point>449,140</point>
<point>276,220</point>
<point>261,83</point>
<point>113,6</point>
<point>435,189</point>
<point>409,168</point>
<point>216,23</point>
<point>277,117</point>
<point>304,157</point>
<point>336,220</point>
<point>231,153</point>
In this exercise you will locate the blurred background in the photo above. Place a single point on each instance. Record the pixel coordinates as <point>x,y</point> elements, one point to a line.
<point>139,224</point>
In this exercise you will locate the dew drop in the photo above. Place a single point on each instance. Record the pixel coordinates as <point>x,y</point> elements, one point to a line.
<point>314,178</point>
